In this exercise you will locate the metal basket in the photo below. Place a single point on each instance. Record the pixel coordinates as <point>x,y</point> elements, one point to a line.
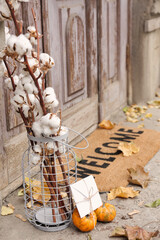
<point>47,194</point>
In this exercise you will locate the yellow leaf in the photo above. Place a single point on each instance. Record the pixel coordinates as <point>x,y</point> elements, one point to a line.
<point>107,124</point>
<point>122,192</point>
<point>21,192</point>
<point>128,148</point>
<point>133,120</point>
<point>141,125</point>
<point>37,191</point>
<point>21,217</point>
<point>148,115</point>
<point>6,211</point>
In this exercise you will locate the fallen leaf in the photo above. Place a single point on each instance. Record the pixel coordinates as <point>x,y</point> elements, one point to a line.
<point>128,148</point>
<point>21,192</point>
<point>141,125</point>
<point>63,194</point>
<point>11,206</point>
<point>21,217</point>
<point>89,237</point>
<point>133,233</point>
<point>153,204</point>
<point>138,176</point>
<point>6,211</point>
<point>137,233</point>
<point>107,124</point>
<point>118,232</point>
<point>125,109</point>
<point>155,104</point>
<point>37,191</point>
<point>133,212</point>
<point>157,94</point>
<point>133,120</point>
<point>29,204</point>
<point>148,115</point>
<point>158,120</point>
<point>122,192</point>
<point>78,159</point>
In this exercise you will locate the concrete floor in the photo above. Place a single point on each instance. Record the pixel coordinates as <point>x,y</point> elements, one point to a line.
<point>149,218</point>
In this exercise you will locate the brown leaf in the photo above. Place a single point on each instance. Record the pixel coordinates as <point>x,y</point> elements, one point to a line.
<point>37,191</point>
<point>118,232</point>
<point>138,176</point>
<point>11,206</point>
<point>133,212</point>
<point>122,192</point>
<point>128,148</point>
<point>21,217</point>
<point>137,233</point>
<point>21,192</point>
<point>107,124</point>
<point>6,211</point>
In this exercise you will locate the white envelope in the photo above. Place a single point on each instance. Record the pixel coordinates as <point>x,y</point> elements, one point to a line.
<point>86,195</point>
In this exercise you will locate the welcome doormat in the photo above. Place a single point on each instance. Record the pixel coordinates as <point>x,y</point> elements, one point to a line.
<point>106,163</point>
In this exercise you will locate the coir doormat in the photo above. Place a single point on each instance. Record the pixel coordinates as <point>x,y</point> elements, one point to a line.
<point>106,163</point>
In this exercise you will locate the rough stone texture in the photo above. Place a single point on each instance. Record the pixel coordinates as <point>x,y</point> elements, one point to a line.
<point>155,7</point>
<point>145,52</point>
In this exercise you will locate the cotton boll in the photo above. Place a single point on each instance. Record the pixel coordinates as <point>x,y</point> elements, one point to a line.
<point>25,109</point>
<point>26,79</point>
<point>54,122</point>
<point>19,88</point>
<point>23,45</point>
<point>47,131</point>
<point>7,34</point>
<point>37,148</point>
<point>49,91</point>
<point>17,101</point>
<point>35,158</point>
<point>35,89</point>
<point>28,88</point>
<point>45,119</point>
<point>32,98</point>
<point>8,82</point>
<point>46,61</point>
<point>2,68</point>
<point>36,127</point>
<point>11,44</point>
<point>63,131</point>
<point>33,63</point>
<point>37,73</point>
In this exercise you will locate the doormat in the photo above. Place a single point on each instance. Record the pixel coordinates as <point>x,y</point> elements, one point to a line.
<point>105,162</point>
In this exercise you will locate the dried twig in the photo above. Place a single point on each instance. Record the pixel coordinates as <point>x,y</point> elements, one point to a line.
<point>35,21</point>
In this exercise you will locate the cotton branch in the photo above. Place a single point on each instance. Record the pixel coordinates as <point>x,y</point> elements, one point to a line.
<point>35,21</point>
<point>17,24</point>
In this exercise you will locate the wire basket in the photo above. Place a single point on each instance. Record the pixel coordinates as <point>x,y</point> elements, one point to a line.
<point>49,167</point>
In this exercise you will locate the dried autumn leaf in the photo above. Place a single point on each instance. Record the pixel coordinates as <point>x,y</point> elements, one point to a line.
<point>141,125</point>
<point>37,192</point>
<point>122,192</point>
<point>11,206</point>
<point>128,148</point>
<point>21,192</point>
<point>131,119</point>
<point>78,159</point>
<point>153,204</point>
<point>148,115</point>
<point>21,217</point>
<point>6,211</point>
<point>107,124</point>
<point>138,176</point>
<point>137,233</point>
<point>118,232</point>
<point>133,212</point>
<point>63,194</point>
<point>29,204</point>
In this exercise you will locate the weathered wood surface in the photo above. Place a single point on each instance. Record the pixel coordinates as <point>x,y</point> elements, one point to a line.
<point>152,24</point>
<point>112,43</point>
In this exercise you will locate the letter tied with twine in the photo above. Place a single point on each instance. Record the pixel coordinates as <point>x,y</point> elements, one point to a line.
<point>86,195</point>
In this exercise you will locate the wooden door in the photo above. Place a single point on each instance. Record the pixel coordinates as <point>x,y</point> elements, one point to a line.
<point>112,45</point>
<point>71,38</point>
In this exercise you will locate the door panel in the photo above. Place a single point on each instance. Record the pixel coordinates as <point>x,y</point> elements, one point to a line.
<point>112,43</point>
